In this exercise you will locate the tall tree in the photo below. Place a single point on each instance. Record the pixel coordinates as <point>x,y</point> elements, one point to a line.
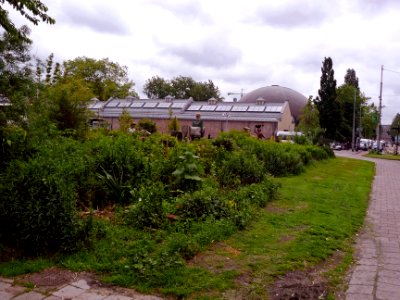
<point>394,128</point>
<point>157,88</point>
<point>181,87</point>
<point>33,10</point>
<point>15,68</point>
<point>105,78</point>
<point>67,105</point>
<point>351,79</point>
<point>309,121</point>
<point>369,121</point>
<point>345,97</point>
<point>329,109</point>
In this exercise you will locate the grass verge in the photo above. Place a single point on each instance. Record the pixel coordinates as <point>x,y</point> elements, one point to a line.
<point>383,156</point>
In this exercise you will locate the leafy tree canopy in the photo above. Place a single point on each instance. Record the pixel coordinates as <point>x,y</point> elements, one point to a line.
<point>351,79</point>
<point>33,10</point>
<point>395,126</point>
<point>369,121</point>
<point>180,87</point>
<point>15,68</point>
<point>106,78</point>
<point>103,77</point>
<point>330,117</point>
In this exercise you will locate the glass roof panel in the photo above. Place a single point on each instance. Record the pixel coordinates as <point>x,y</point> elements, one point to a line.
<point>223,108</point>
<point>150,104</point>
<point>137,104</point>
<point>113,103</point>
<point>164,105</point>
<point>178,105</point>
<point>124,104</point>
<point>194,107</point>
<point>256,108</point>
<point>240,108</point>
<point>208,107</point>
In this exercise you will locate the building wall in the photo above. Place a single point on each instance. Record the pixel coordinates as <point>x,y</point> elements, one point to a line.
<point>212,127</point>
<point>286,123</point>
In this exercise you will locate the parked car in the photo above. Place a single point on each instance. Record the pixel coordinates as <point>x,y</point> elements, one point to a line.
<point>365,144</point>
<point>375,145</point>
<point>336,146</point>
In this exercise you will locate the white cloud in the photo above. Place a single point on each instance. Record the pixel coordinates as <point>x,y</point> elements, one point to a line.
<point>236,44</point>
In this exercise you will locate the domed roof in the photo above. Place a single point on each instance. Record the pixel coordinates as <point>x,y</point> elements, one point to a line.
<point>277,94</point>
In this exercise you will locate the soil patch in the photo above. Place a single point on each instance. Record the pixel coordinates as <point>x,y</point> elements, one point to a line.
<point>56,277</point>
<point>217,259</point>
<point>305,284</point>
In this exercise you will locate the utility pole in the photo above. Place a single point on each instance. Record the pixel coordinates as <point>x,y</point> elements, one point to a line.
<point>378,133</point>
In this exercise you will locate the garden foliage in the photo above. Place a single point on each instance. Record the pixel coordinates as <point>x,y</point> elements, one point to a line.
<point>155,183</point>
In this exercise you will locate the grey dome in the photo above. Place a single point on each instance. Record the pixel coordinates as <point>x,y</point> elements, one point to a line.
<point>278,94</point>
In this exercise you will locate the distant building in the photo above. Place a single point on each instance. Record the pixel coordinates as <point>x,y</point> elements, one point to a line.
<point>263,111</point>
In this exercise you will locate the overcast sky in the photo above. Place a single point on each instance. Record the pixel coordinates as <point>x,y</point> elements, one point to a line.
<point>237,44</point>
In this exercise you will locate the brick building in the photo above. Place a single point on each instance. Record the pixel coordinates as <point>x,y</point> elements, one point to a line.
<point>264,111</point>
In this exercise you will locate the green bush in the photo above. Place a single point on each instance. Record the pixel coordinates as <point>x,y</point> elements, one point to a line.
<point>187,172</point>
<point>147,211</point>
<point>119,165</point>
<point>201,204</point>
<point>38,207</point>
<point>148,125</point>
<point>240,168</point>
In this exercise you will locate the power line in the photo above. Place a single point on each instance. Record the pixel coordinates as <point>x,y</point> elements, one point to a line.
<point>398,72</point>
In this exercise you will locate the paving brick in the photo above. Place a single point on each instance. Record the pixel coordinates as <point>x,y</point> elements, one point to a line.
<point>118,297</point>
<point>4,285</point>
<point>363,278</point>
<point>352,296</point>
<point>68,291</point>
<point>87,295</point>
<point>389,280</point>
<point>5,295</point>
<point>360,289</point>
<point>32,295</point>
<point>82,284</point>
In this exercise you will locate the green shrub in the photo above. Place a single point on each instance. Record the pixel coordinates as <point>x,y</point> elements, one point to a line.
<point>187,172</point>
<point>201,204</point>
<point>39,197</point>
<point>240,168</point>
<point>147,211</point>
<point>148,125</point>
<point>119,165</point>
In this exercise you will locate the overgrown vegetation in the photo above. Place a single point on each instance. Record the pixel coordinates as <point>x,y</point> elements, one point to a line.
<point>191,194</point>
<point>148,243</point>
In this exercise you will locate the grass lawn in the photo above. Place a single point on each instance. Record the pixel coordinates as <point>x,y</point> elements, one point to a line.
<point>310,228</point>
<point>383,156</point>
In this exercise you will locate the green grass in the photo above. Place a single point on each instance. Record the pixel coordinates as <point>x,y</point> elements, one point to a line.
<point>383,156</point>
<point>316,215</point>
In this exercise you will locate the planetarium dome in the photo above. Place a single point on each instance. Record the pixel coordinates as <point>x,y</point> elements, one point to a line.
<point>277,94</point>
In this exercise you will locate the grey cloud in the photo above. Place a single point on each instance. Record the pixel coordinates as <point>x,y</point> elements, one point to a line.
<point>295,15</point>
<point>376,6</point>
<point>98,18</point>
<point>185,11</point>
<point>207,55</point>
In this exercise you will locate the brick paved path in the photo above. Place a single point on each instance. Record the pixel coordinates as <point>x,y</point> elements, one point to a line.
<point>376,274</point>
